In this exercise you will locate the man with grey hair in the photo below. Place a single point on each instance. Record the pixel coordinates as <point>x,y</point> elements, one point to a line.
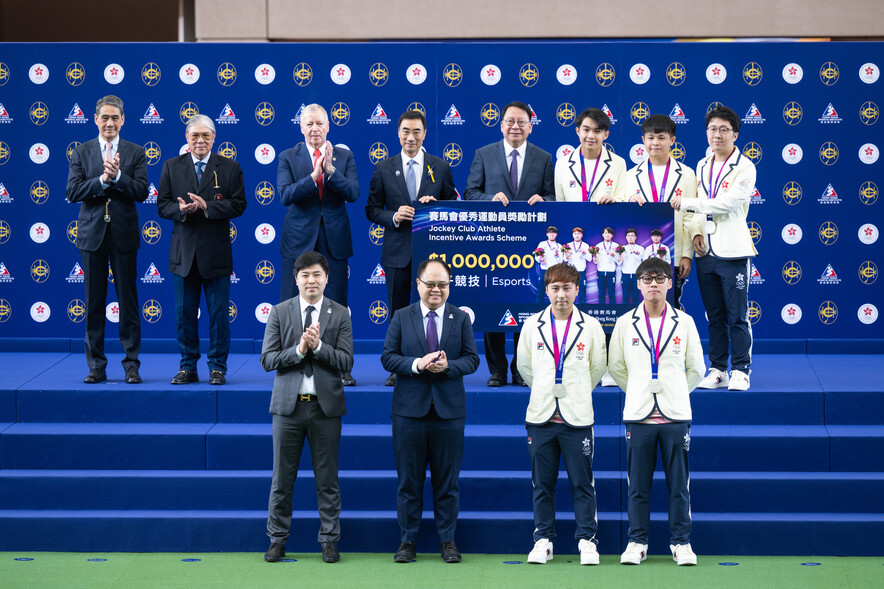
<point>200,192</point>
<point>107,176</point>
<point>315,181</point>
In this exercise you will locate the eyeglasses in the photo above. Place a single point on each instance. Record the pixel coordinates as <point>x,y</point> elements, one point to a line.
<point>659,279</point>
<point>431,285</point>
<point>203,136</point>
<point>721,130</point>
<point>513,122</point>
<point>406,132</point>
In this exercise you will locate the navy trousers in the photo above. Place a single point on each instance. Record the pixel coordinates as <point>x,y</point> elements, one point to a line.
<point>724,288</point>
<point>187,302</point>
<point>336,289</point>
<point>605,282</point>
<point>674,440</point>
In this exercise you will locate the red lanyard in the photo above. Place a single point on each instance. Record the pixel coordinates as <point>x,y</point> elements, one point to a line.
<point>712,187</point>
<point>659,198</point>
<point>655,346</point>
<point>559,353</point>
<point>588,191</point>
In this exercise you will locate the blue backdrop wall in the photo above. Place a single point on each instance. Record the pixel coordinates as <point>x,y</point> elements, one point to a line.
<point>811,125</point>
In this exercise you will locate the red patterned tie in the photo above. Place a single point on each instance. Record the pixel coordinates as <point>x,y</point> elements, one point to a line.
<point>316,154</point>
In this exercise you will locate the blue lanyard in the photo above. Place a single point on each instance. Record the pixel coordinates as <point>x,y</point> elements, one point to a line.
<point>713,187</point>
<point>662,195</point>
<point>655,346</point>
<point>587,192</point>
<point>559,352</point>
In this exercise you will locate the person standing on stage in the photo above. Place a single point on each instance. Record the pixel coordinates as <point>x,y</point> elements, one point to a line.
<point>578,255</point>
<point>631,257</point>
<point>592,173</point>
<point>548,253</point>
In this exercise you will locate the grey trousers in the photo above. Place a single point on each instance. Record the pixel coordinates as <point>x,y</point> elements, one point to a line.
<point>323,433</point>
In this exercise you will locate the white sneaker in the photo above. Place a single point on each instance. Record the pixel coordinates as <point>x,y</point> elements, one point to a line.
<point>589,552</point>
<point>634,554</point>
<point>542,552</point>
<point>607,380</point>
<point>739,381</point>
<point>683,555</point>
<point>714,380</point>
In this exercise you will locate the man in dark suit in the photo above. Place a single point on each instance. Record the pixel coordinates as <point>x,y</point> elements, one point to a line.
<point>430,346</point>
<point>308,341</point>
<point>201,191</point>
<point>511,169</point>
<point>107,177</point>
<point>397,183</point>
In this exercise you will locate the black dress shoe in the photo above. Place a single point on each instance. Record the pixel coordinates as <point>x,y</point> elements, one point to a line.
<point>497,380</point>
<point>347,380</point>
<point>216,377</point>
<point>95,376</point>
<point>132,376</point>
<point>406,553</point>
<point>391,380</point>
<point>518,380</point>
<point>275,552</point>
<point>185,376</point>
<point>330,552</point>
<point>450,553</point>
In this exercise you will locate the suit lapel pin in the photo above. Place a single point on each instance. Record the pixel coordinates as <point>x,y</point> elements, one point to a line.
<point>329,311</point>
<point>398,173</point>
<point>451,315</point>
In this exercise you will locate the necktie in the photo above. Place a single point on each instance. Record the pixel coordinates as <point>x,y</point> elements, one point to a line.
<point>514,172</point>
<point>107,151</point>
<point>432,335</point>
<point>411,180</point>
<point>308,359</point>
<point>199,170</point>
<point>316,155</point>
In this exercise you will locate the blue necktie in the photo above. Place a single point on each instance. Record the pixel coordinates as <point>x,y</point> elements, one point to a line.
<point>199,170</point>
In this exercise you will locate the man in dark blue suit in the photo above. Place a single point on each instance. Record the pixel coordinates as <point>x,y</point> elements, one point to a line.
<point>397,183</point>
<point>430,346</point>
<point>511,169</point>
<point>107,177</point>
<point>315,180</point>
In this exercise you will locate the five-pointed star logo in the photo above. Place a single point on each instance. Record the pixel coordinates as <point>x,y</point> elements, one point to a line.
<point>791,231</point>
<point>265,310</point>
<point>868,231</point>
<point>264,71</point>
<point>640,71</point>
<point>39,151</point>
<point>870,71</point>
<point>265,151</point>
<point>716,71</point>
<point>724,184</point>
<point>189,71</point>
<point>792,151</point>
<point>867,311</point>
<point>114,71</point>
<point>39,231</point>
<point>580,346</point>
<point>567,72</point>
<point>39,71</point>
<point>609,182</point>
<point>416,71</point>
<point>341,71</point>
<point>40,308</point>
<point>640,151</point>
<point>265,231</point>
<point>115,309</point>
<point>869,151</point>
<point>678,192</point>
<point>566,152</point>
<point>792,71</point>
<point>490,72</point>
<point>676,340</point>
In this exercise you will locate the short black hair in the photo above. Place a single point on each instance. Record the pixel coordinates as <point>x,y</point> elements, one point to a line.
<point>654,266</point>
<point>725,114</point>
<point>659,124</point>
<point>597,115</point>
<point>631,230</point>
<point>609,230</point>
<point>412,115</point>
<point>518,105</point>
<point>656,232</point>
<point>423,266</point>
<point>552,229</point>
<point>308,259</point>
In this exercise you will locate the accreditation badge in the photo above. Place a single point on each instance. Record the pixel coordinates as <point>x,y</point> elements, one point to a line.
<point>655,386</point>
<point>709,227</point>
<point>559,390</point>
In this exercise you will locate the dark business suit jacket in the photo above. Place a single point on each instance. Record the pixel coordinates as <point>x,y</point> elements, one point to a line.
<point>304,208</point>
<point>406,340</point>
<point>84,187</point>
<point>388,192</point>
<point>203,236</point>
<point>490,174</point>
<point>335,355</point>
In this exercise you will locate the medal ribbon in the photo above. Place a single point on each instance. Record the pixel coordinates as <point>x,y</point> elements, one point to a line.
<point>587,192</point>
<point>655,346</point>
<point>713,187</point>
<point>559,352</point>
<point>662,195</point>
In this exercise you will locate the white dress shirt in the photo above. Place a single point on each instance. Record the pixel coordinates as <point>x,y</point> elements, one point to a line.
<point>438,319</point>
<point>308,387</point>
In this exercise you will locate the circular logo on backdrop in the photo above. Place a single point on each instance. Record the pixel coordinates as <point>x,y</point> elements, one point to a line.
<point>791,314</point>
<point>377,152</point>
<point>226,74</point>
<point>752,151</point>
<point>378,74</point>
<point>39,113</point>
<point>40,271</point>
<point>490,114</point>
<point>754,231</point>
<point>828,312</point>
<point>678,151</point>
<point>75,74</point>
<point>868,272</point>
<point>867,313</point>
<point>792,73</point>
<point>566,74</point>
<point>151,232</point>
<point>262,312</point>
<point>637,153</point>
<point>40,312</point>
<point>470,313</point>
<point>151,311</point>
<point>265,74</point>
<point>264,113</point>
<point>452,75</point>
<point>340,113</point>
<point>69,150</point>
<point>340,74</point>
<point>233,232</point>
<point>452,154</point>
<point>754,312</point>
<point>265,233</point>
<point>829,73</point>
<point>265,154</point>
<point>264,193</point>
<point>39,153</point>
<point>869,73</point>
<point>752,73</point>
<point>490,74</point>
<point>716,73</point>
<point>5,310</point>
<point>792,153</point>
<point>828,233</point>
<point>377,312</point>
<point>639,73</point>
<point>151,74</point>
<point>77,311</point>
<point>39,232</point>
<point>418,107</point>
<point>605,74</point>
<point>792,193</point>
<point>302,74</point>
<point>529,75</point>
<point>564,151</point>
<point>676,74</point>
<point>228,149</point>
<point>71,232</point>
<point>828,153</point>
<point>38,73</point>
<point>231,311</point>
<point>868,113</point>
<point>187,111</point>
<point>868,234</point>
<point>114,73</point>
<point>4,73</point>
<point>868,153</point>
<point>39,192</point>
<point>639,112</point>
<point>791,234</point>
<point>565,114</point>
<point>4,153</point>
<point>376,234</point>
<point>152,153</point>
<point>264,272</point>
<point>791,272</point>
<point>868,193</point>
<point>189,74</point>
<point>792,113</point>
<point>416,74</point>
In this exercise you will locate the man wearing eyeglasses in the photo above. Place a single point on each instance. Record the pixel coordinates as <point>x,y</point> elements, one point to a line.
<point>511,169</point>
<point>430,347</point>
<point>200,191</point>
<point>726,181</point>
<point>397,184</point>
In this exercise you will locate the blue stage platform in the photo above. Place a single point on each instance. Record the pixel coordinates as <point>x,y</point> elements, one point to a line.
<point>793,466</point>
